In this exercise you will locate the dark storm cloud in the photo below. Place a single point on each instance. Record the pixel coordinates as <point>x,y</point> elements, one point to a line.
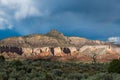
<point>94,19</point>
<point>85,17</point>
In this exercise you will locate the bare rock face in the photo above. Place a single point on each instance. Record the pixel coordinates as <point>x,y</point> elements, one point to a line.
<point>45,49</point>
<point>99,52</point>
<point>58,52</point>
<point>73,49</point>
<point>55,44</point>
<point>27,51</point>
<point>79,42</point>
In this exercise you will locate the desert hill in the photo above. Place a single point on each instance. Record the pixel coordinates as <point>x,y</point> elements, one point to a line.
<point>52,38</point>
<point>55,46</point>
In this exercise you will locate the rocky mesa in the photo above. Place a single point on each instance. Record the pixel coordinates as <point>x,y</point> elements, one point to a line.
<point>55,46</point>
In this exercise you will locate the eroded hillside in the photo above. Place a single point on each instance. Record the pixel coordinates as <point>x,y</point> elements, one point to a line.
<point>55,44</point>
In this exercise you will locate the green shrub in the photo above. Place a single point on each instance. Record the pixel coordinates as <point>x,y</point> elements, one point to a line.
<point>114,66</point>
<point>57,72</point>
<point>2,59</point>
<point>17,63</point>
<point>100,76</point>
<point>75,76</point>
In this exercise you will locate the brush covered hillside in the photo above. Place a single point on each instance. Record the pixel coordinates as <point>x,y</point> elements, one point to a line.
<point>55,46</point>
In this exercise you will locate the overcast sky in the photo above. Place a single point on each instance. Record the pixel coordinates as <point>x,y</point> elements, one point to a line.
<point>92,19</point>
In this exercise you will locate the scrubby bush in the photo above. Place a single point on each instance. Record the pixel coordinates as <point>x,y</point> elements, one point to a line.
<point>2,59</point>
<point>116,76</point>
<point>100,76</point>
<point>74,76</point>
<point>17,63</point>
<point>114,66</point>
<point>57,72</point>
<point>51,70</point>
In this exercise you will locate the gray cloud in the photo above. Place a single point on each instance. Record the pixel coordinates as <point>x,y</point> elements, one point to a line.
<point>89,18</point>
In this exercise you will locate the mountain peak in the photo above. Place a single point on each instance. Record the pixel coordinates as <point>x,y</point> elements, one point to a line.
<point>56,34</point>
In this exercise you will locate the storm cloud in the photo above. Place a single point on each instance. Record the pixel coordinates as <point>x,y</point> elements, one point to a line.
<point>93,19</point>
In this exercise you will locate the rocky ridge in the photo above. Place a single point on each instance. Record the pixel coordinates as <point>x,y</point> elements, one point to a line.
<point>55,44</point>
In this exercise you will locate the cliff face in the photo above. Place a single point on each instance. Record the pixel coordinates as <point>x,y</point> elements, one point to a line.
<point>55,44</point>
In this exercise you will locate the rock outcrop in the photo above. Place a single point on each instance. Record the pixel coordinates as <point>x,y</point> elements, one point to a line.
<point>55,44</point>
